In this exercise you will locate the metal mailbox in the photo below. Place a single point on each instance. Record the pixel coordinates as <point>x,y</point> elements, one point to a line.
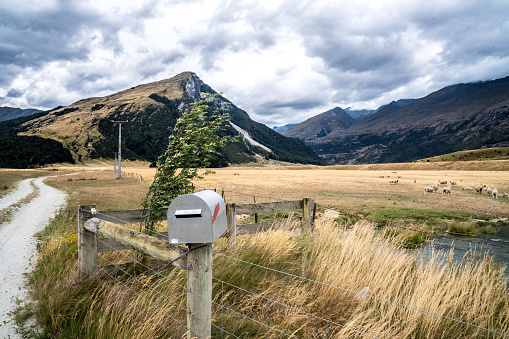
<point>196,218</point>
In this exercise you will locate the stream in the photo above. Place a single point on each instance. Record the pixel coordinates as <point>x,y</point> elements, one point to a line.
<point>496,245</point>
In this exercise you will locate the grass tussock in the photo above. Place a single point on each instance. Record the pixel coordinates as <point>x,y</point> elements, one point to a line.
<point>354,259</point>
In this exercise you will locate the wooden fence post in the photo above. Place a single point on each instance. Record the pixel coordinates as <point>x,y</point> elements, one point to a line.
<point>231,222</point>
<point>87,244</point>
<point>307,207</point>
<point>199,294</point>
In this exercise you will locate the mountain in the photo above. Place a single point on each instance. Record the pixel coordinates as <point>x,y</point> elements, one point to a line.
<point>334,119</point>
<point>87,128</point>
<point>281,129</point>
<point>455,118</point>
<point>321,125</point>
<point>9,113</point>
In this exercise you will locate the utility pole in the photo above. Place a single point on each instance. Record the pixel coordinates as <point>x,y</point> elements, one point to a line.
<point>115,163</point>
<point>119,146</point>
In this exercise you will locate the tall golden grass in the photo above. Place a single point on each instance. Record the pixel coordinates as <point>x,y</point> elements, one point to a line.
<point>354,259</point>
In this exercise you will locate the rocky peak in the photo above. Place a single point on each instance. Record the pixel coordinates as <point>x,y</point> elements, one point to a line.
<point>192,87</point>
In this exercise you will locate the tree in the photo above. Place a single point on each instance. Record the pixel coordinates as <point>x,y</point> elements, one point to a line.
<point>191,145</point>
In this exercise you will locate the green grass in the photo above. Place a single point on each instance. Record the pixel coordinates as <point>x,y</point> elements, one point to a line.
<point>497,153</point>
<point>384,215</point>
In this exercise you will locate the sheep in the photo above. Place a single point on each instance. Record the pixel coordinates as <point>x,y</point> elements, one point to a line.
<point>435,187</point>
<point>446,190</point>
<point>506,194</point>
<point>478,188</point>
<point>453,183</point>
<point>429,189</point>
<point>466,188</point>
<point>442,182</point>
<point>381,176</point>
<point>393,181</point>
<point>494,193</point>
<point>489,191</point>
<point>485,189</point>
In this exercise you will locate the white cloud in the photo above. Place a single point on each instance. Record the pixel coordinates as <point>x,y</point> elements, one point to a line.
<point>281,61</point>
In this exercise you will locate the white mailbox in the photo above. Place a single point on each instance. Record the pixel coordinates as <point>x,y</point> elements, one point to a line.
<point>196,218</point>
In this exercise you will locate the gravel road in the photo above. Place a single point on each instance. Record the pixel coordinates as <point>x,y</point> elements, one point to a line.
<point>18,245</point>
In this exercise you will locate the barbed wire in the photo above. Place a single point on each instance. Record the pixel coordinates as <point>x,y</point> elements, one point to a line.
<point>161,295</point>
<point>246,198</point>
<point>189,291</point>
<point>359,293</point>
<point>276,302</point>
<point>291,307</point>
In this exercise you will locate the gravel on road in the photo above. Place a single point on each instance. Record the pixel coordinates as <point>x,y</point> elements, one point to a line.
<point>18,253</point>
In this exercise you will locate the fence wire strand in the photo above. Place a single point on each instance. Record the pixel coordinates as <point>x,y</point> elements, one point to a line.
<point>358,293</point>
<point>223,307</point>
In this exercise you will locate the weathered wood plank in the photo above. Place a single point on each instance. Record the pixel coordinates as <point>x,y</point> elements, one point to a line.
<point>87,244</point>
<point>307,208</point>
<point>231,221</point>
<point>199,297</point>
<point>269,207</point>
<point>156,248</point>
<point>264,226</point>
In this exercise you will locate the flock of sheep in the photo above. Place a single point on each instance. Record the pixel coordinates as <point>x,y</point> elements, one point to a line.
<point>492,192</point>
<point>482,188</point>
<point>445,190</point>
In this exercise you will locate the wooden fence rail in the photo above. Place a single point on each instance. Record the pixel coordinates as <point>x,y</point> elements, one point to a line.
<point>197,260</point>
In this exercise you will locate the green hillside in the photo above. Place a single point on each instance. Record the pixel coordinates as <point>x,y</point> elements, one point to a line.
<point>496,153</point>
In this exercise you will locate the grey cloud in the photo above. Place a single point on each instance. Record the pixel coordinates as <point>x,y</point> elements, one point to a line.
<point>470,32</point>
<point>14,93</point>
<point>299,105</point>
<point>219,37</point>
<point>65,32</point>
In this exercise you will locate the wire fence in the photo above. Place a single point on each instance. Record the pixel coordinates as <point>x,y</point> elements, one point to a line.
<point>140,284</point>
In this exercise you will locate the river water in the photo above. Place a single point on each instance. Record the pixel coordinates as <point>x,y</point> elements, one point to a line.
<point>496,245</point>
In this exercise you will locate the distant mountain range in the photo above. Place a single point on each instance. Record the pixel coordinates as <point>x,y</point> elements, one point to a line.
<point>455,118</point>
<point>86,129</point>
<point>281,129</point>
<point>335,119</point>
<point>9,113</point>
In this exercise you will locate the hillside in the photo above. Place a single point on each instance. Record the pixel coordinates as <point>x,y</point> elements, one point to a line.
<point>455,118</point>
<point>498,153</point>
<point>9,113</point>
<point>88,130</point>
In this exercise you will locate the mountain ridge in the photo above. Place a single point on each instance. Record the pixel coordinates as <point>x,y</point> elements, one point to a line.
<point>10,113</point>
<point>458,117</point>
<point>87,127</point>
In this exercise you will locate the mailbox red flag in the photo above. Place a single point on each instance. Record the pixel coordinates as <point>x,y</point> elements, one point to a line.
<point>216,211</point>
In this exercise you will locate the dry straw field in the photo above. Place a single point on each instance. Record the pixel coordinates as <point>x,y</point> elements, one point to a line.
<point>364,188</point>
<point>353,256</point>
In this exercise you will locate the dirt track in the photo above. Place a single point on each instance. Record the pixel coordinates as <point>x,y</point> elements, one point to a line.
<point>18,246</point>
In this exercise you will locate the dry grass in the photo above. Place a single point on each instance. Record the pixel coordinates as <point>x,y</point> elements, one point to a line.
<point>360,189</point>
<point>352,259</point>
<point>102,188</point>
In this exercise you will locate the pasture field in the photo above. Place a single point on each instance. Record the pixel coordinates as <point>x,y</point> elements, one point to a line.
<point>365,189</point>
<point>351,255</point>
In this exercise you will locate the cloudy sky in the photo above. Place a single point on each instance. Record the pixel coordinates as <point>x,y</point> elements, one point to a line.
<point>282,61</point>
